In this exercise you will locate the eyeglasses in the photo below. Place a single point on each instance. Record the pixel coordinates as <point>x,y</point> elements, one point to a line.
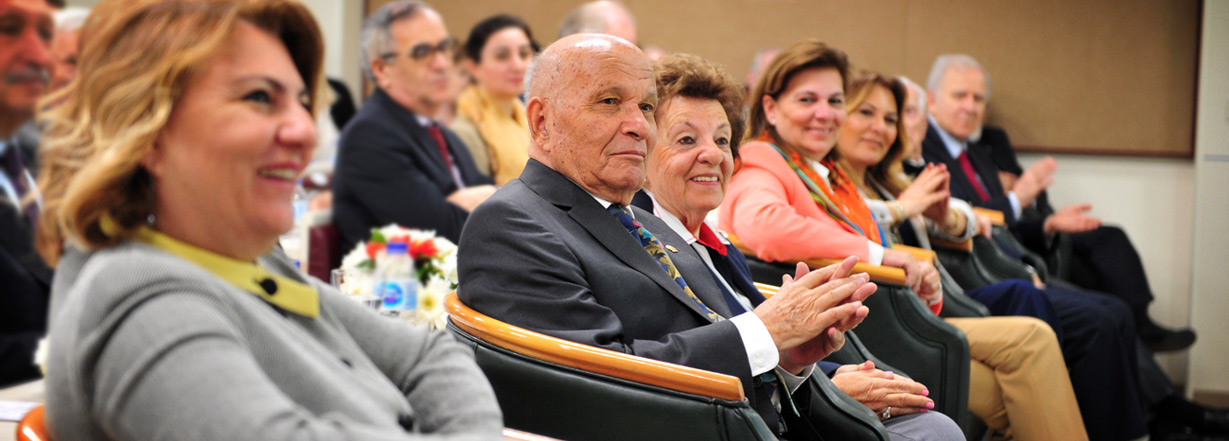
<point>423,51</point>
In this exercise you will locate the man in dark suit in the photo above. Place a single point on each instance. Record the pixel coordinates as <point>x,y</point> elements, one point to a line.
<point>957,96</point>
<point>394,163</point>
<point>559,252</point>
<point>1101,258</point>
<point>25,66</point>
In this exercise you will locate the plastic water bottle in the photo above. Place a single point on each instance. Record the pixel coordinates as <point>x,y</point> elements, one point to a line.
<point>397,284</point>
<point>294,242</point>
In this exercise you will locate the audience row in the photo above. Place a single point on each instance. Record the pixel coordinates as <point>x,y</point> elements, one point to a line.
<point>579,182</point>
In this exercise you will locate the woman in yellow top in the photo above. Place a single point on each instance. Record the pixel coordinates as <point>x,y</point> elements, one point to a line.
<point>490,114</point>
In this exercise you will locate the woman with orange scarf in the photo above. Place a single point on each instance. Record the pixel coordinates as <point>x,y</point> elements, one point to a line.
<point>788,202</point>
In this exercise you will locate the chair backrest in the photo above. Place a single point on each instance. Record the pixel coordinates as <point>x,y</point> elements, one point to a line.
<point>578,392</point>
<point>906,335</point>
<point>33,426</point>
<point>324,251</point>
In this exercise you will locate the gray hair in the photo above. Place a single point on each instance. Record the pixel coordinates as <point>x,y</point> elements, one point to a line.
<point>921,93</point>
<point>70,19</point>
<point>589,18</point>
<point>376,38</point>
<point>946,62</point>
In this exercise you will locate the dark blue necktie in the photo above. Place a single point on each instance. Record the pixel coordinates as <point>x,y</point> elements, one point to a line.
<point>15,170</point>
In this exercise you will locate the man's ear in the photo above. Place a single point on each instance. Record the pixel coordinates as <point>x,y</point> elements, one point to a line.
<point>537,113</point>
<point>377,71</point>
<point>930,100</point>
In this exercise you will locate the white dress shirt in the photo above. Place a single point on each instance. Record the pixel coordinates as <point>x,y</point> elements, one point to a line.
<point>761,350</point>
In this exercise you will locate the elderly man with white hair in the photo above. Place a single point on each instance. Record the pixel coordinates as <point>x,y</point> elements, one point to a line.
<point>559,250</point>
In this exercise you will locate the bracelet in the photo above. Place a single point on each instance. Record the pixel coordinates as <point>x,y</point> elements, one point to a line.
<point>898,211</point>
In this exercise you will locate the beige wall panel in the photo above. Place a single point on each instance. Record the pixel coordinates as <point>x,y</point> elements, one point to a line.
<point>1071,76</point>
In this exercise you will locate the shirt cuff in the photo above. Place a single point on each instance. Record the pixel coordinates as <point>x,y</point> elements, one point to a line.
<point>881,211</point>
<point>1015,204</point>
<point>793,382</point>
<point>761,350</point>
<point>874,253</point>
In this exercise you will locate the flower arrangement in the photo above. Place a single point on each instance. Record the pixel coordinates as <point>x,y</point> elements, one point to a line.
<point>435,260</point>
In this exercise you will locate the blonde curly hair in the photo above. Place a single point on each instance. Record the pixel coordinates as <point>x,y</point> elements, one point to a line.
<point>137,57</point>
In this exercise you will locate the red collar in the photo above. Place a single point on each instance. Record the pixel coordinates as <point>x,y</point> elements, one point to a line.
<point>709,238</point>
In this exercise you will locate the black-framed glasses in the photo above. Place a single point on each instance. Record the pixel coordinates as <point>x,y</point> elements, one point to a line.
<point>423,51</point>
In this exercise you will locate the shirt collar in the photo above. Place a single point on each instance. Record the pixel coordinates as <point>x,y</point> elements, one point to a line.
<point>284,292</point>
<point>954,146</point>
<point>708,237</point>
<point>426,122</point>
<point>818,167</point>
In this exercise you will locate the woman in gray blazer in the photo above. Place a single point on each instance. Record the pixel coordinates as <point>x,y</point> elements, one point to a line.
<point>168,177</point>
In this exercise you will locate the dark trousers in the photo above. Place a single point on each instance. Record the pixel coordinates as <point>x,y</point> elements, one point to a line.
<point>1017,297</point>
<point>1105,260</point>
<point>1099,345</point>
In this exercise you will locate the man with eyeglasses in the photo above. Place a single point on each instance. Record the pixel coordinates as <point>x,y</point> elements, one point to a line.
<point>394,163</point>
<point>26,30</point>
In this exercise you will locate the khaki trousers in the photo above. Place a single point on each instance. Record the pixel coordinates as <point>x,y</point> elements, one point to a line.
<point>1018,380</point>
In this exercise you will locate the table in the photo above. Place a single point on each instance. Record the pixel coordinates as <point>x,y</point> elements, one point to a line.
<point>32,391</point>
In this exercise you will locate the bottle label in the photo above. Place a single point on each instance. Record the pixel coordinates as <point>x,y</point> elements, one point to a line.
<point>399,295</point>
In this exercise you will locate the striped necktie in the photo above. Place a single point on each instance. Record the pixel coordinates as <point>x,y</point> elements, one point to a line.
<point>655,249</point>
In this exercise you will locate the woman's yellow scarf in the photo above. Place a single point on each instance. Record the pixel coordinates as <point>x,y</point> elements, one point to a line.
<point>506,136</point>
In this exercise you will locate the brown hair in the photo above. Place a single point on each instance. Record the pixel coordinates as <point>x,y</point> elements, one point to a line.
<point>888,172</point>
<point>693,77</point>
<point>137,58</point>
<point>807,54</point>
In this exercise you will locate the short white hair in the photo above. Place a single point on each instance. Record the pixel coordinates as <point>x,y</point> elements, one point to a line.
<point>71,18</point>
<point>917,89</point>
<point>590,18</point>
<point>946,62</point>
<point>376,38</point>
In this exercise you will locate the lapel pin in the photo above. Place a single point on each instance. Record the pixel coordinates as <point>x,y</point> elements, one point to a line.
<point>672,248</point>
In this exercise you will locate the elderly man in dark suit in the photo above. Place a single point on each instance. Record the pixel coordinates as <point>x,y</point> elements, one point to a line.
<point>25,66</point>
<point>957,97</point>
<point>1103,257</point>
<point>560,252</point>
<point>394,163</point>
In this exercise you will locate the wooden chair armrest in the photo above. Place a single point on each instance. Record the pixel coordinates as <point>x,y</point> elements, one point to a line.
<point>878,273</point>
<point>516,435</point>
<point>919,254</point>
<point>964,245</point>
<point>996,217</point>
<point>33,426</point>
<point>591,358</point>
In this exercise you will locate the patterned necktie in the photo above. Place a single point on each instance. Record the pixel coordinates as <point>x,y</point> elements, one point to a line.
<point>972,175</point>
<point>655,249</point>
<point>15,170</point>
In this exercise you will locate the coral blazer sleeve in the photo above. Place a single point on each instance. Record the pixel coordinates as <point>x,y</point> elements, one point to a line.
<point>769,208</point>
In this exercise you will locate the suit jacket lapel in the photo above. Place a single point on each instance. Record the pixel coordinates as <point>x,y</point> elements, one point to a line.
<point>581,207</point>
<point>420,139</point>
<point>18,240</point>
<point>742,280</point>
<point>986,169</point>
<point>688,261</point>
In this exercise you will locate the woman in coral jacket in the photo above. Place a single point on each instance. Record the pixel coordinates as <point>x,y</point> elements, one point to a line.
<point>788,202</point>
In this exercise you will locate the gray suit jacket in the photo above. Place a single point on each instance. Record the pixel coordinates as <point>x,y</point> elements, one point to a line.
<point>145,345</point>
<point>544,255</point>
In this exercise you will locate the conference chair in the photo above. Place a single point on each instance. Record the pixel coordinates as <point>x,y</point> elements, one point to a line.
<point>33,427</point>
<point>1005,240</point>
<point>579,392</point>
<point>899,331</point>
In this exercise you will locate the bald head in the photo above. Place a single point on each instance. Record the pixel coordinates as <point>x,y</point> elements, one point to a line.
<point>590,109</point>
